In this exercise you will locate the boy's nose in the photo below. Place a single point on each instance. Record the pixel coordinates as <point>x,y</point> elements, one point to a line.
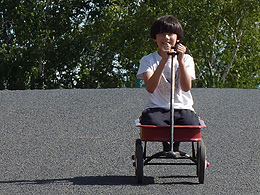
<point>167,36</point>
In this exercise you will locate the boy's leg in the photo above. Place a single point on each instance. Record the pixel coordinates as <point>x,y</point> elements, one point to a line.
<point>185,117</point>
<point>161,117</point>
<point>155,116</point>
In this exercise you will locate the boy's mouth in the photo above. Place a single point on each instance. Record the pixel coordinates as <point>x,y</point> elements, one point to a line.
<point>166,44</point>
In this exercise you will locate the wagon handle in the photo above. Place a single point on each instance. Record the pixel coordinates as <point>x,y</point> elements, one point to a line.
<point>172,99</point>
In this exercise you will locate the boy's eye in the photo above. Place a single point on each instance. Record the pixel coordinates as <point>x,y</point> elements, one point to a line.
<point>168,33</point>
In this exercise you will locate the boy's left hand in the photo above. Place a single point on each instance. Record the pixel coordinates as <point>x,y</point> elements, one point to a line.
<point>181,49</point>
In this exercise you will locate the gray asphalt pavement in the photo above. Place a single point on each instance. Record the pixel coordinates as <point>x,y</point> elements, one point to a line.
<point>81,142</point>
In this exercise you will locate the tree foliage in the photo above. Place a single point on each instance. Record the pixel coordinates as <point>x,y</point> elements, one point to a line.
<point>98,44</point>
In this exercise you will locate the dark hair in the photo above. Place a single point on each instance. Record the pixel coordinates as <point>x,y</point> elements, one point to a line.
<point>166,24</point>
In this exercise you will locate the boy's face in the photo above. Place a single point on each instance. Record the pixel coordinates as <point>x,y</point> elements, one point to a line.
<point>165,41</point>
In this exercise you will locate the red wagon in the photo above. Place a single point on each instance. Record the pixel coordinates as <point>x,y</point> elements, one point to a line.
<point>181,133</point>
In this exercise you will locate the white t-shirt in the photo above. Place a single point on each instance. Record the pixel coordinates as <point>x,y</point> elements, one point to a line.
<point>160,98</point>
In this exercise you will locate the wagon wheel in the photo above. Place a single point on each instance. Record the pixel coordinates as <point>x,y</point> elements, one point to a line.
<point>197,158</point>
<point>201,161</point>
<point>139,161</point>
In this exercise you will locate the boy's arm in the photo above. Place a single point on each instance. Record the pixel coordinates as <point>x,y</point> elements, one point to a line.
<point>152,79</point>
<point>185,78</point>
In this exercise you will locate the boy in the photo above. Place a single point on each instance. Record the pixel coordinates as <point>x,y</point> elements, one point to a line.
<point>154,68</point>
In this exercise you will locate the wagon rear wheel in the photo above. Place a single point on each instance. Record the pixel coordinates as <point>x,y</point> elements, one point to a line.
<point>139,161</point>
<point>201,161</point>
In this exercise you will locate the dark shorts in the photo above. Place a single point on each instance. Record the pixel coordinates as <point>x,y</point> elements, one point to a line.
<point>161,117</point>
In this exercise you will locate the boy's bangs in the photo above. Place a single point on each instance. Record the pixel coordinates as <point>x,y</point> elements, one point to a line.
<point>166,27</point>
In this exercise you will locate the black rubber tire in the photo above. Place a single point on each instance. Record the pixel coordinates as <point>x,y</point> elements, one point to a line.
<point>197,158</point>
<point>139,165</point>
<point>201,156</point>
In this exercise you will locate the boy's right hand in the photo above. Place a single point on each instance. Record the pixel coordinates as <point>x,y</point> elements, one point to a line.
<point>165,53</point>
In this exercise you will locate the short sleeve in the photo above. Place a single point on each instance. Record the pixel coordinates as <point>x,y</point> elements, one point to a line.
<point>145,66</point>
<point>190,66</point>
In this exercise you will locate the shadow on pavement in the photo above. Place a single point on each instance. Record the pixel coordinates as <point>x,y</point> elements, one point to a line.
<point>87,180</point>
<point>102,181</point>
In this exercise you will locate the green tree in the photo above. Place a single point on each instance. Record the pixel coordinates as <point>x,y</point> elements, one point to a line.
<point>98,44</point>
<point>226,31</point>
<point>42,46</point>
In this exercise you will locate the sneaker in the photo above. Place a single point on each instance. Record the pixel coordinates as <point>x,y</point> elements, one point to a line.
<point>176,146</point>
<point>166,147</point>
